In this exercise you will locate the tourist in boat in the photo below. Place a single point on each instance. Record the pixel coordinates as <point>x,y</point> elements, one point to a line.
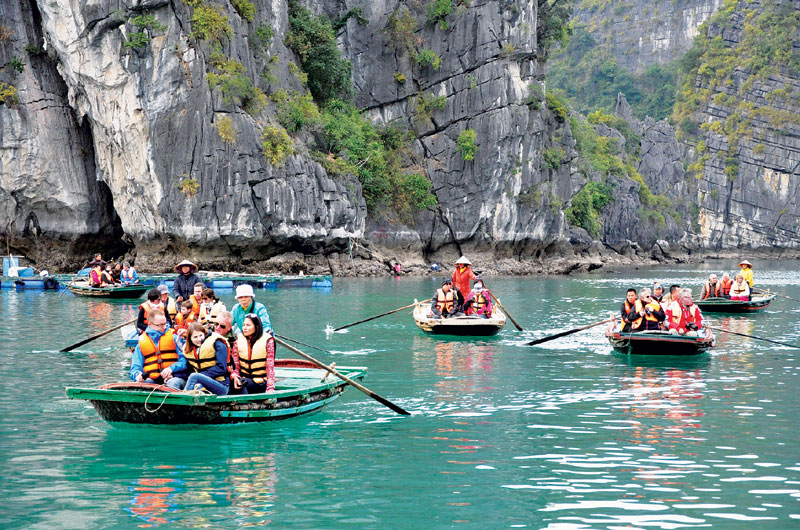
<point>184,317</point>
<point>247,304</point>
<point>96,277</point>
<point>170,305</point>
<point>653,313</point>
<point>106,276</point>
<point>740,290</point>
<point>658,292</point>
<point>184,282</point>
<point>210,307</point>
<point>462,277</point>
<point>98,260</point>
<point>116,273</point>
<point>128,276</point>
<point>632,312</point>
<point>711,288</point>
<point>478,302</point>
<point>158,357</point>
<point>688,320</point>
<point>444,303</point>
<point>197,298</point>
<point>672,296</point>
<point>256,349</point>
<point>747,271</point>
<point>207,358</point>
<point>725,286</point>
<point>152,303</point>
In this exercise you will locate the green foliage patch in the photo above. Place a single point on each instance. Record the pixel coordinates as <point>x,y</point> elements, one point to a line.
<point>8,95</point>
<point>466,144</point>
<point>587,205</point>
<point>276,144</point>
<point>210,23</point>
<point>245,8</point>
<point>231,78</point>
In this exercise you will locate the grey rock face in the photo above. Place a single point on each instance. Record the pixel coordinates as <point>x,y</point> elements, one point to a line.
<point>641,33</point>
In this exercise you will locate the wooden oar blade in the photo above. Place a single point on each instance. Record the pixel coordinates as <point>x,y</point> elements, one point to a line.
<point>552,337</point>
<point>754,337</point>
<point>381,315</point>
<point>90,339</point>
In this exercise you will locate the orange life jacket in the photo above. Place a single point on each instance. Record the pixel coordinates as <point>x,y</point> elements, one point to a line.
<point>444,301</point>
<point>146,307</point>
<point>195,305</point>
<point>183,323</point>
<point>655,306</point>
<point>725,287</point>
<point>709,291</point>
<point>156,358</point>
<point>636,324</point>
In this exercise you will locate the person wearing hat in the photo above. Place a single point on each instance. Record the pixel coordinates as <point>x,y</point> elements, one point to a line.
<point>170,306</point>
<point>658,292</point>
<point>153,302</point>
<point>247,305</point>
<point>462,276</point>
<point>444,302</point>
<point>747,271</point>
<point>184,282</point>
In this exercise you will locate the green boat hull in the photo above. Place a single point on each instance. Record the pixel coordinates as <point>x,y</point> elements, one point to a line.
<point>723,305</point>
<point>298,391</point>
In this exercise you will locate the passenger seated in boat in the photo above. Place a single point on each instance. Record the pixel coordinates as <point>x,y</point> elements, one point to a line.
<point>478,303</point>
<point>658,292</point>
<point>96,277</point>
<point>632,313</point>
<point>184,318</point>
<point>106,276</point>
<point>725,286</point>
<point>152,303</point>
<point>170,305</point>
<point>197,298</point>
<point>247,304</point>
<point>711,288</point>
<point>256,349</point>
<point>162,364</point>
<point>116,273</point>
<point>128,276</point>
<point>207,358</point>
<point>672,296</point>
<point>688,319</point>
<point>653,314</point>
<point>444,303</point>
<point>210,308</point>
<point>747,272</point>
<point>739,289</point>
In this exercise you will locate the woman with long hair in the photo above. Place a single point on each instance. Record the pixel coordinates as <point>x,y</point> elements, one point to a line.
<point>256,358</point>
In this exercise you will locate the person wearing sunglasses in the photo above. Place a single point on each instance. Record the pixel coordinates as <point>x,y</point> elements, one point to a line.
<point>653,314</point>
<point>209,360</point>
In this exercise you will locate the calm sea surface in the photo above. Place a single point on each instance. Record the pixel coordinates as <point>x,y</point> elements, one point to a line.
<point>564,436</point>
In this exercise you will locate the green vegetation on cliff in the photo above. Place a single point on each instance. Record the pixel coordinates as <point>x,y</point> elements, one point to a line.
<point>590,78</point>
<point>724,73</point>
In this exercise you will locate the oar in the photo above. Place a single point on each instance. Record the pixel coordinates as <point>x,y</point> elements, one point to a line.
<point>776,294</point>
<point>570,332</point>
<point>504,310</point>
<point>752,337</point>
<point>73,279</point>
<point>346,379</point>
<point>303,344</point>
<point>90,339</point>
<point>381,315</point>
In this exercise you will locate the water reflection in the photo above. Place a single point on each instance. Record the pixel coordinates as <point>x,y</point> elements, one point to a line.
<point>153,499</point>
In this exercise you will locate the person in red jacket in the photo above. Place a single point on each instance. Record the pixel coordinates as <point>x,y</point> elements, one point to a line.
<point>462,276</point>
<point>690,319</point>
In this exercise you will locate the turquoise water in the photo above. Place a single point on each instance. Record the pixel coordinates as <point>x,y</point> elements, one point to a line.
<point>563,436</point>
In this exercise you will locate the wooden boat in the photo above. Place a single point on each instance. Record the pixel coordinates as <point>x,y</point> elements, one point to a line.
<point>300,388</point>
<point>82,288</point>
<point>758,302</point>
<point>659,342</point>
<point>466,325</point>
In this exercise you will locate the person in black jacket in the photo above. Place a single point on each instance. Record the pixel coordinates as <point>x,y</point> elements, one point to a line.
<point>632,312</point>
<point>184,283</point>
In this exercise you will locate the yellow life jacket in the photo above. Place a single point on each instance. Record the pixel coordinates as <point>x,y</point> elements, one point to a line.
<point>156,358</point>
<point>205,357</point>
<point>636,324</point>
<point>654,306</point>
<point>207,315</point>
<point>444,301</point>
<point>253,361</point>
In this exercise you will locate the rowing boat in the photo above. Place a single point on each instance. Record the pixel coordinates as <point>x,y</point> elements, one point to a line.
<point>464,325</point>
<point>300,388</point>
<point>659,342</point>
<point>758,302</point>
<point>82,288</point>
